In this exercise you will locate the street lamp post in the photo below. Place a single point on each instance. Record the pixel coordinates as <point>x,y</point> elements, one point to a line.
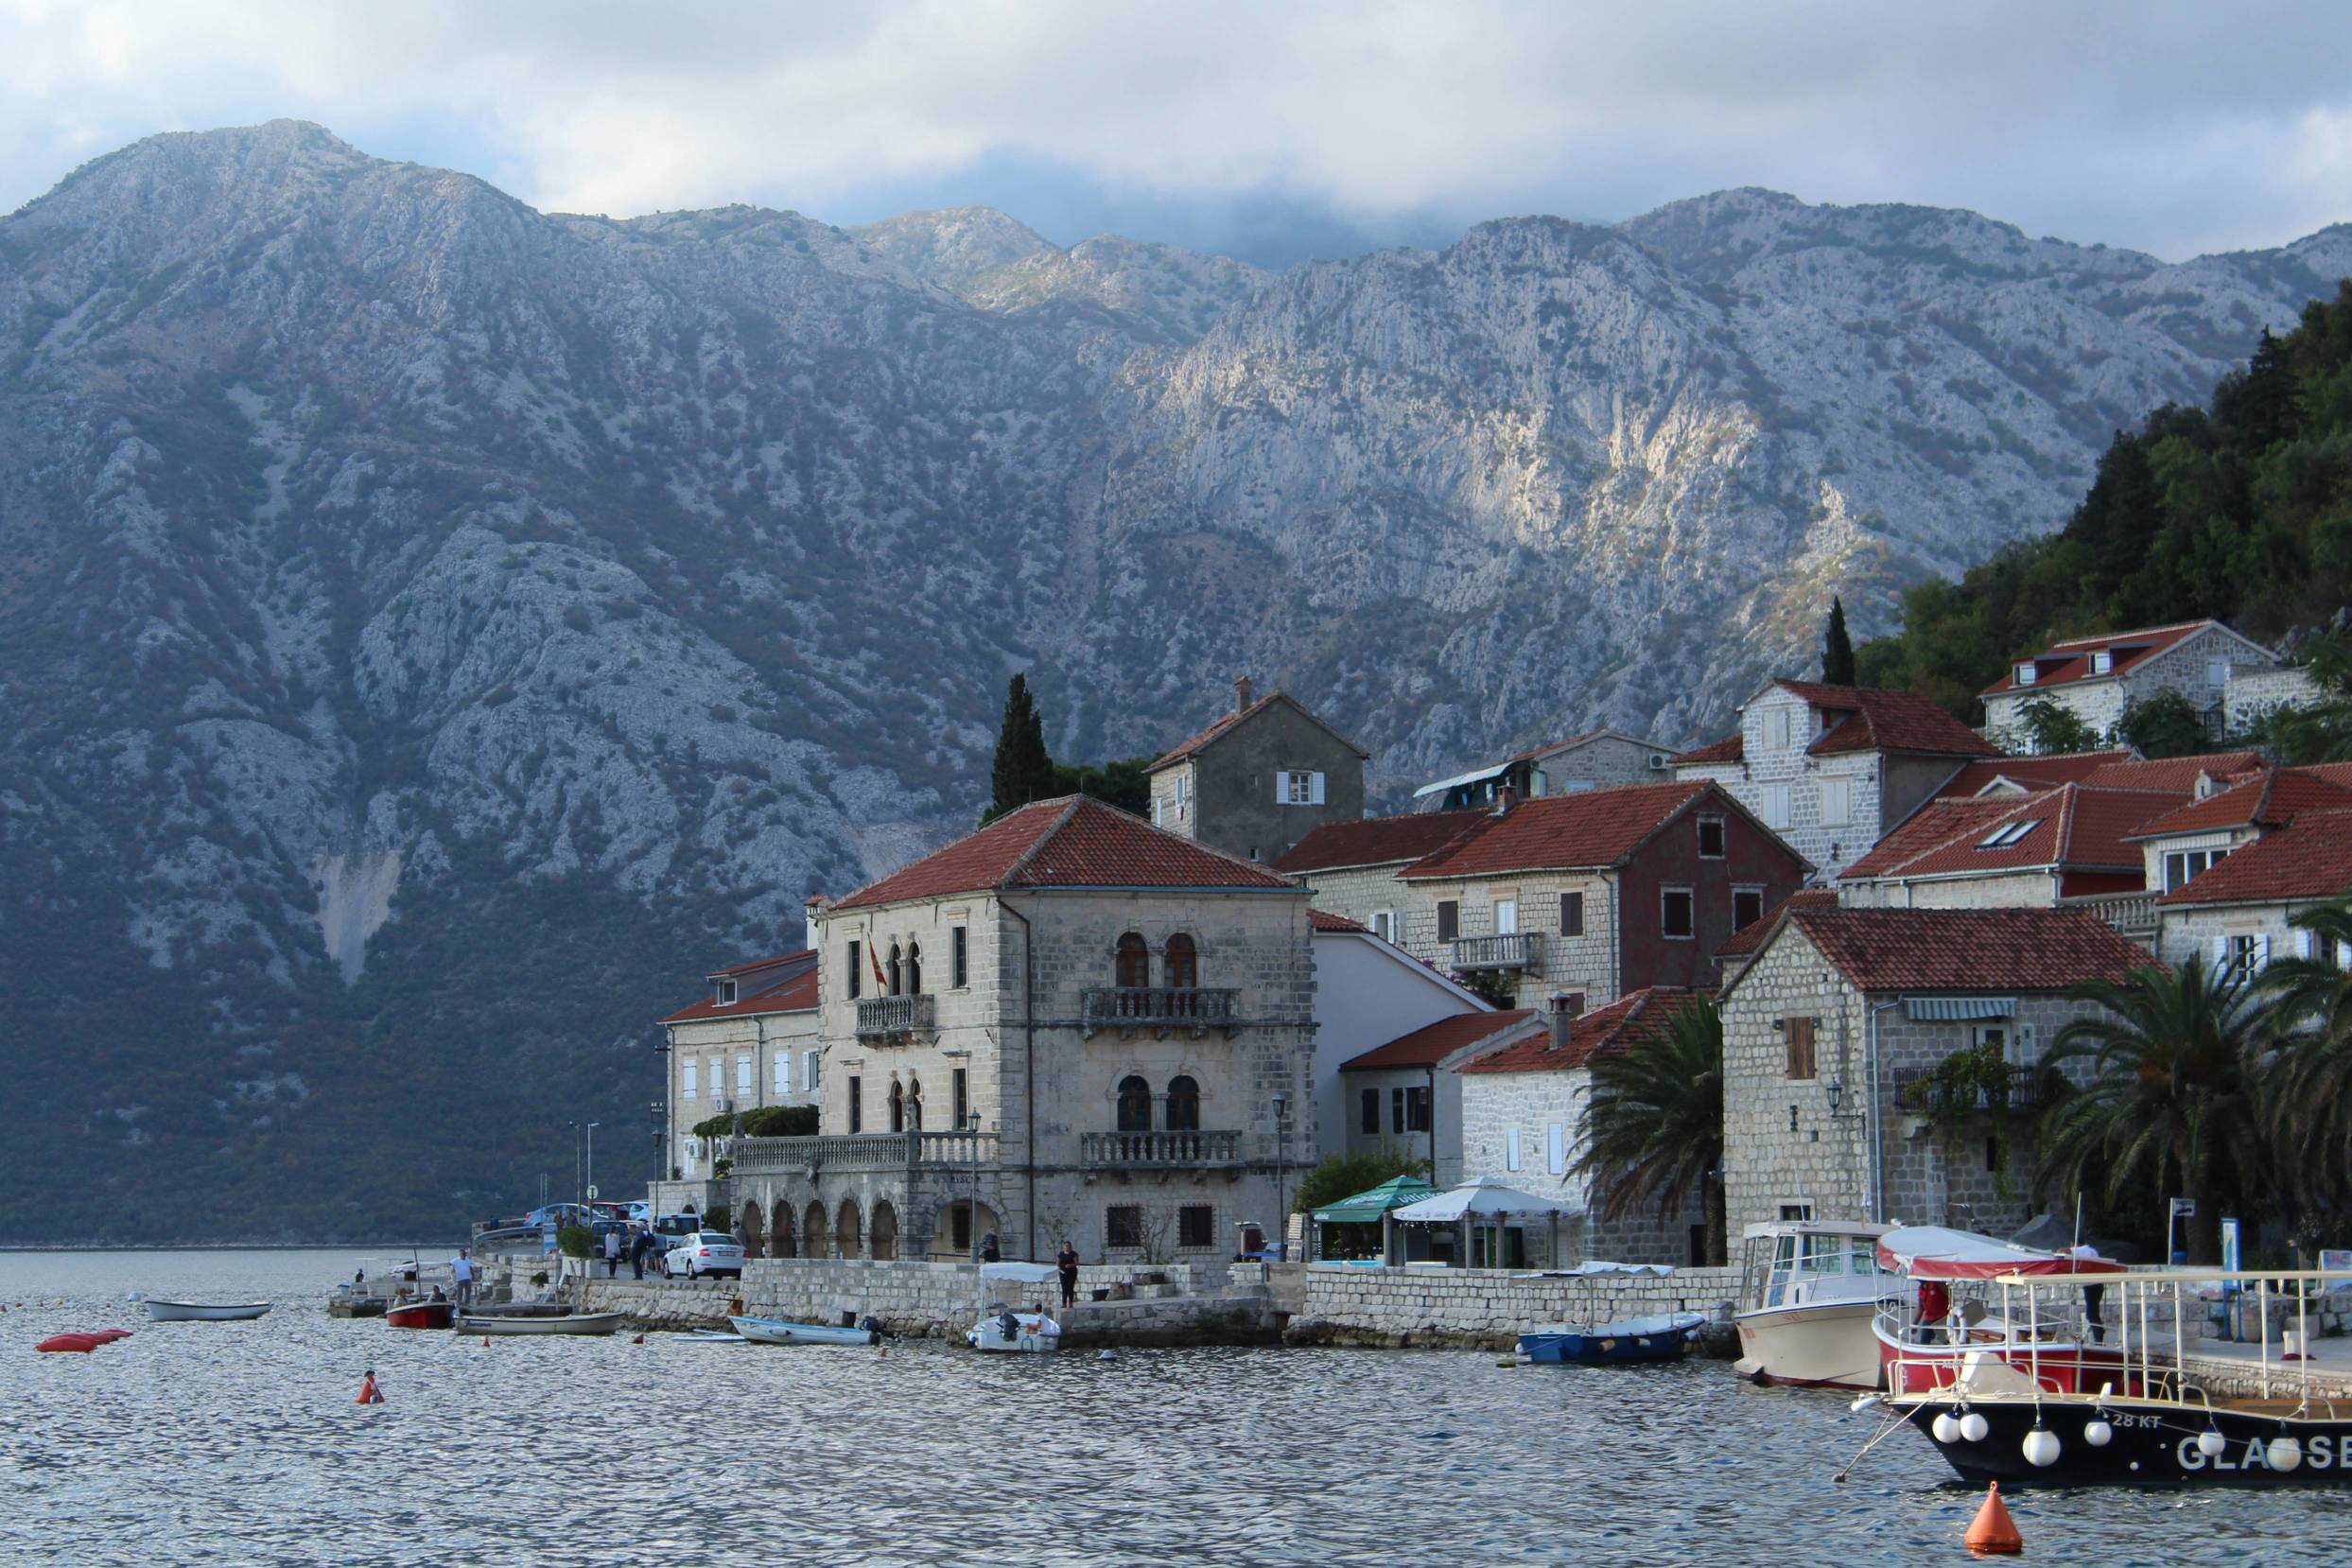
<point>661,1139</point>
<point>576,1183</point>
<point>971,1213</point>
<point>1281,1176</point>
<point>591,1186</point>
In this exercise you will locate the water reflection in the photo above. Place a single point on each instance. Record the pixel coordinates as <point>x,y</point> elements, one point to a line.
<point>239,1442</point>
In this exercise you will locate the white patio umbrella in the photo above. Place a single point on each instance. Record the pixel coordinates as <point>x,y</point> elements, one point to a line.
<point>1483,1200</point>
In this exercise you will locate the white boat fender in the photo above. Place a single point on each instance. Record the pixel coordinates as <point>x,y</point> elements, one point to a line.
<point>2041,1446</point>
<point>2097,1432</point>
<point>1975,1428</point>
<point>1108,1355</point>
<point>1865,1403</point>
<point>2283,1453</point>
<point>2210,1443</point>
<point>1947,1427</point>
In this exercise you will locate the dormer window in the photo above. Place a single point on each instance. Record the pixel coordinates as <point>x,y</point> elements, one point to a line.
<point>2008,834</point>
<point>2102,662</point>
<point>2025,673</point>
<point>723,992</point>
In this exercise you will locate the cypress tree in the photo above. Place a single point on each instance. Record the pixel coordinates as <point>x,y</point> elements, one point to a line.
<point>1836,648</point>
<point>1024,771</point>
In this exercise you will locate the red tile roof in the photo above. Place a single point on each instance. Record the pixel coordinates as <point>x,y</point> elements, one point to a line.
<point>1750,937</point>
<point>1074,842</point>
<point>1604,1030</point>
<point>1376,841</point>
<point>2075,827</point>
<point>1228,720</point>
<point>2307,859</point>
<point>1433,1043</point>
<point>2033,772</point>
<point>1318,919</point>
<point>2070,662</point>
<point>2263,800</point>
<point>2177,773</point>
<point>1887,721</point>
<point>1592,827</point>
<point>795,994</point>
<point>1967,950</point>
<point>1732,748</point>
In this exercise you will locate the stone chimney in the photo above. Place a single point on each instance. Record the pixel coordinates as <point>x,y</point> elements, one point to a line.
<point>1504,798</point>
<point>1561,1017</point>
<point>1240,694</point>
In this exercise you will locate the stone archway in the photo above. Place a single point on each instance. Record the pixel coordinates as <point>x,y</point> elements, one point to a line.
<point>953,1238</point>
<point>815,1235</point>
<point>848,1226</point>
<point>884,1230</point>
<point>748,1231</point>
<point>780,1231</point>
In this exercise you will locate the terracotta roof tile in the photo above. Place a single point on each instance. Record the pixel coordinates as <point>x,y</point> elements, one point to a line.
<point>1319,919</point>
<point>1433,1043</point>
<point>2177,773</point>
<point>1224,721</point>
<point>1074,842</point>
<point>1968,949</point>
<point>1887,721</point>
<point>1603,1032</point>
<point>2068,662</point>
<point>2075,827</point>
<point>1376,841</point>
<point>1732,748</point>
<point>1592,827</point>
<point>797,994</point>
<point>2265,799</point>
<point>2309,858</point>
<point>1750,937</point>
<point>2033,772</point>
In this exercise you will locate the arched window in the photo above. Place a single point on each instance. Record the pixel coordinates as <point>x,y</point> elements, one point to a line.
<point>898,1109</point>
<point>1183,1104</point>
<point>915,1103</point>
<point>1183,962</point>
<point>1135,962</point>
<point>1135,1104</point>
<point>891,971</point>
<point>914,969</point>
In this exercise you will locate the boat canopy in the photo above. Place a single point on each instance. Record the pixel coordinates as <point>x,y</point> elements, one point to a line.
<point>1365,1208</point>
<point>1933,1252</point>
<point>1816,1227</point>
<point>1026,1274</point>
<point>1484,1199</point>
<point>1474,777</point>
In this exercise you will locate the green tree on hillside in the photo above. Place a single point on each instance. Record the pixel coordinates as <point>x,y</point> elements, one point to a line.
<point>2052,729</point>
<point>1024,771</point>
<point>1836,648</point>
<point>2165,723</point>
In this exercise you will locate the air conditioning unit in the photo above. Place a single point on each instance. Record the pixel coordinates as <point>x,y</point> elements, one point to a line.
<point>727,1108</point>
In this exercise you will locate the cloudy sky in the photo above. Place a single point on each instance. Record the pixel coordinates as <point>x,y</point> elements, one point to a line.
<point>1270,131</point>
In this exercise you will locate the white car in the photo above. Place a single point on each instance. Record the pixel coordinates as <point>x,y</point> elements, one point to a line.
<point>704,1253</point>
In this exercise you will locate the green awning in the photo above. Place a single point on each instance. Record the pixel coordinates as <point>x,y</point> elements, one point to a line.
<point>1366,1207</point>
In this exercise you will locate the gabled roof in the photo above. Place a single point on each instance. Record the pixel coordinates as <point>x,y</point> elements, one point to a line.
<point>1431,1044</point>
<point>1963,949</point>
<point>1750,937</point>
<point>1376,841</point>
<point>2027,773</point>
<point>1887,721</point>
<point>1591,828</point>
<point>2264,800</point>
<point>2177,773</point>
<point>2074,827</point>
<point>1603,1032</point>
<point>2068,663</point>
<point>1732,748</point>
<point>1586,738</point>
<point>1227,723</point>
<point>2309,857</point>
<point>759,991</point>
<point>1319,919</point>
<point>1073,841</point>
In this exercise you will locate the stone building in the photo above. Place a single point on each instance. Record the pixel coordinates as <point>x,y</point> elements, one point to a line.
<point>1566,903</point>
<point>1353,866</point>
<point>1831,768</point>
<point>1592,760</point>
<point>1836,1032</point>
<point>750,1043</point>
<point>1259,779</point>
<point>1404,1097</point>
<point>1369,995</point>
<point>2097,678</point>
<point>1522,1118</point>
<point>1068,1024</point>
<point>2185,847</point>
<point>2236,911</point>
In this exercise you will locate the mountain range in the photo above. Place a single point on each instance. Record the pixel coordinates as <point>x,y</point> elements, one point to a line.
<point>437,630</point>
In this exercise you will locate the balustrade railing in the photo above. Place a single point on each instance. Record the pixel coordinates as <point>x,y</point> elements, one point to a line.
<point>1150,1005</point>
<point>862,1151</point>
<point>1926,1094</point>
<point>2132,913</point>
<point>885,1016</point>
<point>1517,950</point>
<point>1119,1150</point>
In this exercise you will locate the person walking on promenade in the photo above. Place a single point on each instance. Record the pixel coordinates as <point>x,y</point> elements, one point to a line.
<point>611,1253</point>
<point>462,1272</point>
<point>641,1240</point>
<point>989,1251</point>
<point>1067,1260</point>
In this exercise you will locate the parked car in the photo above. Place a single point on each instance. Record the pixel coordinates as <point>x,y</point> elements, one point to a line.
<point>560,1214</point>
<point>704,1252</point>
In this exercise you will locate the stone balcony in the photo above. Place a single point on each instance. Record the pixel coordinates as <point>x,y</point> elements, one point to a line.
<point>1518,949</point>
<point>1128,1151</point>
<point>861,1151</point>
<point>896,1017</point>
<point>2131,914</point>
<point>1161,1007</point>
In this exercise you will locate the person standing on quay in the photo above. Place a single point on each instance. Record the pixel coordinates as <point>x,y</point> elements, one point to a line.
<point>611,1253</point>
<point>990,1252</point>
<point>461,1272</point>
<point>641,1240</point>
<point>1067,1260</point>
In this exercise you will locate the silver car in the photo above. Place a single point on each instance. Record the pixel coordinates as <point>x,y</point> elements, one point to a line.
<point>704,1253</point>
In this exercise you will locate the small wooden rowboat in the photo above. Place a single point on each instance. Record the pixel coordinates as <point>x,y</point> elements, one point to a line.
<point>421,1315</point>
<point>204,1312</point>
<point>589,1322</point>
<point>771,1330</point>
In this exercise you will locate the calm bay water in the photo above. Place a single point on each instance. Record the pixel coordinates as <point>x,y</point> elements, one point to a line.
<point>239,1442</point>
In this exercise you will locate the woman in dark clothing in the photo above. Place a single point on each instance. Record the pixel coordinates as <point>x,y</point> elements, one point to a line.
<point>1067,1260</point>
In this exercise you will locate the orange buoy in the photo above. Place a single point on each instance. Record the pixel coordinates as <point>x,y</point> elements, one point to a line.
<point>369,1392</point>
<point>638,1340</point>
<point>1993,1531</point>
<point>485,1342</point>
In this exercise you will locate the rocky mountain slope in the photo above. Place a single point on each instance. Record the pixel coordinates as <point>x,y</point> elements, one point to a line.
<point>437,628</point>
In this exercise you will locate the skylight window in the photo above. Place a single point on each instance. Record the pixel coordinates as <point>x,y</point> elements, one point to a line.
<point>2007,833</point>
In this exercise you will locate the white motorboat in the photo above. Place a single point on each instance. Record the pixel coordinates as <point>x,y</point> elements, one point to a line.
<point>773,1330</point>
<point>586,1322</point>
<point>1809,1290</point>
<point>1007,1329</point>
<point>204,1312</point>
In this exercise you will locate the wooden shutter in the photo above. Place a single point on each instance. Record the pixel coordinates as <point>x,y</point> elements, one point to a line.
<point>1448,919</point>
<point>1800,1033</point>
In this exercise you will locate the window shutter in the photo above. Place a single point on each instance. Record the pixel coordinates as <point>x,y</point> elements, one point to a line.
<point>687,1091</point>
<point>2025,1046</point>
<point>2262,952</point>
<point>1510,1158</point>
<point>783,1065</point>
<point>2221,953</point>
<point>1555,1149</point>
<point>2303,944</point>
<point>1281,786</point>
<point>1318,796</point>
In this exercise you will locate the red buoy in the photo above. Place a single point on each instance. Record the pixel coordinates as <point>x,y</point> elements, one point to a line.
<point>84,1343</point>
<point>369,1392</point>
<point>1993,1531</point>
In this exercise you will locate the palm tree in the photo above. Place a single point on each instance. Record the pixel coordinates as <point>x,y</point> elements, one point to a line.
<point>2309,1081</point>
<point>2170,1109</point>
<point>1652,1129</point>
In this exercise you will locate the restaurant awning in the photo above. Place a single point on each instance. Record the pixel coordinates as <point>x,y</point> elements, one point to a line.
<point>1365,1208</point>
<point>1485,1198</point>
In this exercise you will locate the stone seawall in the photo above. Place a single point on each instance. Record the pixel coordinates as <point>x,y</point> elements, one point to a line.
<point>1484,1308</point>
